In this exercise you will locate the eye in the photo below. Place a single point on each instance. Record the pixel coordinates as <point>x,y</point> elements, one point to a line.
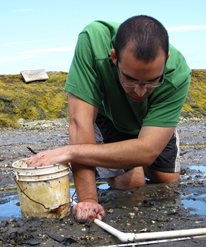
<point>129,78</point>
<point>154,80</point>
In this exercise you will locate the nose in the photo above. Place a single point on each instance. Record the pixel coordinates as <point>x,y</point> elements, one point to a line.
<point>140,90</point>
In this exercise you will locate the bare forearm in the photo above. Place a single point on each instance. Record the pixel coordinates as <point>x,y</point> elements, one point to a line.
<point>121,155</point>
<point>84,176</point>
<point>125,154</point>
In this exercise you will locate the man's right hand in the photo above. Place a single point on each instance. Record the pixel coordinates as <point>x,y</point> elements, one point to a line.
<point>88,211</point>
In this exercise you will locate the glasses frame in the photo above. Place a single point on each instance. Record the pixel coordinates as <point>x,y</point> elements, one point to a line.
<point>132,84</point>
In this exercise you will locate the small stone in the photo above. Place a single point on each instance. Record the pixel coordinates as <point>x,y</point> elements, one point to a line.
<point>142,221</point>
<point>143,230</point>
<point>44,238</point>
<point>110,211</point>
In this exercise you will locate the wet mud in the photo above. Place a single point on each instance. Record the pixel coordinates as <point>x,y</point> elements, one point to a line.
<point>152,208</point>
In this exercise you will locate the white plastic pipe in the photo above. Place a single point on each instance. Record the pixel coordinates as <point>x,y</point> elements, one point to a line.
<point>129,237</point>
<point>155,241</point>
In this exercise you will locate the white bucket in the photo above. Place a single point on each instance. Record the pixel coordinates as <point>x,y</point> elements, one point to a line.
<point>43,191</point>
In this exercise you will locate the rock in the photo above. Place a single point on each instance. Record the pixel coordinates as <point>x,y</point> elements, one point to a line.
<point>34,75</point>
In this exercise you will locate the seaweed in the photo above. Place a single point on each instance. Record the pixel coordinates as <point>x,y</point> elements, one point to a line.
<point>34,101</point>
<point>43,100</point>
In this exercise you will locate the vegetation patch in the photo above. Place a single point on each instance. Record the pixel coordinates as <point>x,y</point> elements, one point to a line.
<point>35,101</point>
<point>42,100</point>
<point>195,103</point>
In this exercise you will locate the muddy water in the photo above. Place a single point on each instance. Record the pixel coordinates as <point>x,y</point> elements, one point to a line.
<point>155,207</point>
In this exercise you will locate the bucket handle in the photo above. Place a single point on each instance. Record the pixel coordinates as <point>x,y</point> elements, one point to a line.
<point>39,202</point>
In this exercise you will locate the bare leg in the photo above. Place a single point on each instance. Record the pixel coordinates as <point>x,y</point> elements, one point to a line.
<point>161,177</point>
<point>129,180</point>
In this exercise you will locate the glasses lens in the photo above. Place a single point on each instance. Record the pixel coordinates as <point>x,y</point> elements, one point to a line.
<point>147,85</point>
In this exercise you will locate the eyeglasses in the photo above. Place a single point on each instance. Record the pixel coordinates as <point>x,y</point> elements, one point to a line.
<point>148,84</point>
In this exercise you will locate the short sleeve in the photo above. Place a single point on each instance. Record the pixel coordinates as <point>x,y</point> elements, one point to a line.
<point>82,80</point>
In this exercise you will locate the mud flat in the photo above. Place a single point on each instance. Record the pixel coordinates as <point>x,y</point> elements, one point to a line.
<point>155,207</point>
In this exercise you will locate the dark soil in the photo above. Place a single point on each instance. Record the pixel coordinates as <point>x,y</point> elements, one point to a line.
<point>153,208</point>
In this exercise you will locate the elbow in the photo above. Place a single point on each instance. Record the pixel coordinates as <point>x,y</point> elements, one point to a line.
<point>151,158</point>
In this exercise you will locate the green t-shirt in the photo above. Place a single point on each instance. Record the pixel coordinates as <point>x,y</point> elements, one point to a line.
<point>93,78</point>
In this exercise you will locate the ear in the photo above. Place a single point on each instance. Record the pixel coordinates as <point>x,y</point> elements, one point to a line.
<point>168,55</point>
<point>113,56</point>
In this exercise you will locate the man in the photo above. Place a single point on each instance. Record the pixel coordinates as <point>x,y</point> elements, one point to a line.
<point>126,90</point>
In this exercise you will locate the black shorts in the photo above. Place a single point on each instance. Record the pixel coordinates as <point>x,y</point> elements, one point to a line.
<point>168,161</point>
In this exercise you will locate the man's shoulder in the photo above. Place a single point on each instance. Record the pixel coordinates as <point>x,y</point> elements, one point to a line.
<point>177,71</point>
<point>101,25</point>
<point>176,60</point>
<point>175,54</point>
<point>101,36</point>
<point>100,30</point>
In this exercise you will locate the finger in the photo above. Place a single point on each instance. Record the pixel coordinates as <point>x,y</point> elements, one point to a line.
<point>92,215</point>
<point>83,211</point>
<point>35,163</point>
<point>100,216</point>
<point>30,163</point>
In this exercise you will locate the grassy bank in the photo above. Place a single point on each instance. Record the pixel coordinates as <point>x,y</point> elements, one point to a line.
<point>48,99</point>
<point>37,100</point>
<point>195,103</point>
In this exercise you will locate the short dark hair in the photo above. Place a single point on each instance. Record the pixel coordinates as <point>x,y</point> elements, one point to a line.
<point>145,35</point>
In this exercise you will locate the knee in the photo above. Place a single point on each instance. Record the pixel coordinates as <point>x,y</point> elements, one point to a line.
<point>123,183</point>
<point>165,178</point>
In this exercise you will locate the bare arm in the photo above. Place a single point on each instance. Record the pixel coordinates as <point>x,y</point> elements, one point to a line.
<point>126,154</point>
<point>81,120</point>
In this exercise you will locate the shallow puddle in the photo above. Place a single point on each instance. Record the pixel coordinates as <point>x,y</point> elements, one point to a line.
<point>197,207</point>
<point>199,168</point>
<point>11,207</point>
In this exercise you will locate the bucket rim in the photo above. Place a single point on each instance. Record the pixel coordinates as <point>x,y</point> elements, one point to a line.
<point>44,174</point>
<point>43,180</point>
<point>34,168</point>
